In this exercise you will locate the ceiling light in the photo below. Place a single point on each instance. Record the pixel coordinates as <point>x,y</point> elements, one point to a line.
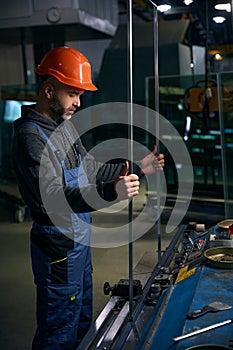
<point>218,57</point>
<point>219,19</point>
<point>224,7</point>
<point>188,2</point>
<point>163,8</point>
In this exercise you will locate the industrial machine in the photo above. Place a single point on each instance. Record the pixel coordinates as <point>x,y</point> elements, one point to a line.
<point>186,303</point>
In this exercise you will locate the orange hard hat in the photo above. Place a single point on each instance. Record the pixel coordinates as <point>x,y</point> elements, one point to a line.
<point>69,66</point>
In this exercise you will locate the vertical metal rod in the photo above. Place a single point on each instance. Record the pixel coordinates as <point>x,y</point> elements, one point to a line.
<point>223,148</point>
<point>24,56</point>
<point>206,107</point>
<point>130,135</point>
<point>207,44</point>
<point>156,73</point>
<point>158,177</point>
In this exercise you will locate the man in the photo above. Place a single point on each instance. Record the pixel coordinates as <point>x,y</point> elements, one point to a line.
<point>60,182</point>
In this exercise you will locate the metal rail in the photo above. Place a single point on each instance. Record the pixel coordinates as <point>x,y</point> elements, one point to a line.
<point>111,329</point>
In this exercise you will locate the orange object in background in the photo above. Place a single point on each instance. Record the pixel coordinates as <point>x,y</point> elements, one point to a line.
<point>195,98</point>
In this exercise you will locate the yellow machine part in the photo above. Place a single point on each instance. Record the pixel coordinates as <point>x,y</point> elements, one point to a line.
<point>196,98</point>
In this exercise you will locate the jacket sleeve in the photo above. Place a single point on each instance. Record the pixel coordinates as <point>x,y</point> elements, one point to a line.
<point>105,172</point>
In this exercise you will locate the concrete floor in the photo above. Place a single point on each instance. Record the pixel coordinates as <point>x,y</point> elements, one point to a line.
<point>17,292</point>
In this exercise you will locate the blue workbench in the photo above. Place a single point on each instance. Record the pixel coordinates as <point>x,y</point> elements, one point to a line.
<point>203,287</point>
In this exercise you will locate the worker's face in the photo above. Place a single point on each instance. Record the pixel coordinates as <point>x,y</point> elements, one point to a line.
<point>65,100</point>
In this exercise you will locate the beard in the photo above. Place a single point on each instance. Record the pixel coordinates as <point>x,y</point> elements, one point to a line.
<point>56,107</point>
<point>58,110</point>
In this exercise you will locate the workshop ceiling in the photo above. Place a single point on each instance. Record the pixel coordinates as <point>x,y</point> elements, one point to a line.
<point>201,30</point>
<point>200,13</point>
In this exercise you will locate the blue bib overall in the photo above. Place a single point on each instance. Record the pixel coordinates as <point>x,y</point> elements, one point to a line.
<point>63,273</point>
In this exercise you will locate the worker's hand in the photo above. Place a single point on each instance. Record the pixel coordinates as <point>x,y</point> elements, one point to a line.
<point>152,162</point>
<point>127,186</point>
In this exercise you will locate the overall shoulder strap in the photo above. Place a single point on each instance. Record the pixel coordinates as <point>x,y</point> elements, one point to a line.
<point>69,135</point>
<point>43,134</point>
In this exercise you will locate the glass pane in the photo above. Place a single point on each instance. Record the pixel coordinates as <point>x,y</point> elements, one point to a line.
<point>182,103</point>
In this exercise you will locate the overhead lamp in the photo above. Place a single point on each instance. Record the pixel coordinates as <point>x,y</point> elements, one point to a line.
<point>163,8</point>
<point>218,57</point>
<point>219,19</point>
<point>188,2</point>
<point>223,7</point>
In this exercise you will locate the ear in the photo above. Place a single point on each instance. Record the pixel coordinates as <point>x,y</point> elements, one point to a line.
<point>49,91</point>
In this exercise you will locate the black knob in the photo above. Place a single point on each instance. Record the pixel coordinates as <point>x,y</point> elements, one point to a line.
<point>107,288</point>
